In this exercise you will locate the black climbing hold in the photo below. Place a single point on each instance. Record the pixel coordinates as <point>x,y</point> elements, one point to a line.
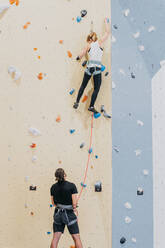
<point>98,187</point>
<point>106,74</point>
<point>140,191</point>
<point>115,26</point>
<point>83,13</point>
<point>33,188</point>
<point>122,240</point>
<point>132,75</point>
<point>84,63</point>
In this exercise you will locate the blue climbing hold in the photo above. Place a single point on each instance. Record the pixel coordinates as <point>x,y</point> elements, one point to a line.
<point>48,233</point>
<point>72,131</point>
<point>102,68</point>
<point>96,156</point>
<point>71,91</point>
<point>79,19</point>
<point>83,185</point>
<point>97,115</point>
<point>51,205</point>
<point>90,150</point>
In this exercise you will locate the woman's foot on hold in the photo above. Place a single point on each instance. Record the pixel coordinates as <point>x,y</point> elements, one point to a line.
<point>75,105</point>
<point>92,109</point>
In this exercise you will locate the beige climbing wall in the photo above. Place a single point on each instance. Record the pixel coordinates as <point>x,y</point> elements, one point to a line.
<point>30,102</point>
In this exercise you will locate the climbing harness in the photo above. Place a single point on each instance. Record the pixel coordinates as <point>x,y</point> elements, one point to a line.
<point>62,216</point>
<point>87,165</point>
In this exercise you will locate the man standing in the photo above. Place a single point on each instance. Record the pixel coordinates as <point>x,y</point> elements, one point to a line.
<point>64,197</point>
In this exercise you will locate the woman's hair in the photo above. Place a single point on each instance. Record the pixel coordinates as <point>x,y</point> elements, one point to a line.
<point>92,37</point>
<point>60,175</point>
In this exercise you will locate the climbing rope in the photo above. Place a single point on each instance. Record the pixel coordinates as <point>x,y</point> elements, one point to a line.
<point>87,165</point>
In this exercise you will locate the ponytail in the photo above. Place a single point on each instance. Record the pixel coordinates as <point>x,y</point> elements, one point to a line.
<point>60,175</point>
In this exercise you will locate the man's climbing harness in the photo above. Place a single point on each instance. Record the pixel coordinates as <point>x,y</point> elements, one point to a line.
<point>61,215</point>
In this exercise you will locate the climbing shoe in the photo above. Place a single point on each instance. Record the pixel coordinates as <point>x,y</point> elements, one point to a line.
<point>75,106</point>
<point>92,109</point>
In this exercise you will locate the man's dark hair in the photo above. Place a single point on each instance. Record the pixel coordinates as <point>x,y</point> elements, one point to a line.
<point>60,174</point>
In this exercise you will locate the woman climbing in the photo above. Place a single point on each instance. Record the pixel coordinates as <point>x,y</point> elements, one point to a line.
<point>94,49</point>
<point>64,196</point>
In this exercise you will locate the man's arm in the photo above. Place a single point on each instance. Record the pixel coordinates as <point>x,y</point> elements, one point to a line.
<point>74,203</point>
<point>52,200</point>
<point>107,31</point>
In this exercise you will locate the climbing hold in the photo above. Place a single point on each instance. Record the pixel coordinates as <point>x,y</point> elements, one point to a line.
<point>84,63</point>
<point>34,131</point>
<point>40,76</point>
<point>58,119</point>
<point>71,91</point>
<point>128,205</point>
<point>116,149</point>
<point>72,246</point>
<point>17,2</point>
<point>96,156</point>
<point>91,166</point>
<point>48,233</point>
<point>122,240</point>
<point>35,49</point>
<point>126,12</point>
<point>83,185</point>
<point>83,13</point>
<point>133,240</point>
<point>136,35</point>
<point>51,205</point>
<point>82,145</point>
<point>145,172</point>
<point>33,145</point>
<point>98,187</point>
<point>140,191</point>
<point>104,112</point>
<point>59,161</point>
<point>140,123</point>
<point>26,25</point>
<point>39,57</point>
<point>128,220</point>
<point>138,152</point>
<point>12,1</point>
<point>31,213</point>
<point>97,115</point>
<point>85,98</point>
<point>141,48</point>
<point>72,131</point>
<point>106,74</point>
<point>3,8</point>
<point>33,188</point>
<point>14,72</point>
<point>69,54</point>
<point>132,75</point>
<point>90,150</point>
<point>102,68</point>
<point>34,159</point>
<point>115,26</point>
<point>78,19</point>
<point>61,41</point>
<point>151,29</point>
<point>113,85</point>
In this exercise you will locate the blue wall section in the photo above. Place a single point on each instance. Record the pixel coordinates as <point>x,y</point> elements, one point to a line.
<point>131,101</point>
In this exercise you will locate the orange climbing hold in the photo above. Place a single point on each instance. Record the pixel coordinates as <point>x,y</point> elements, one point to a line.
<point>12,1</point>
<point>84,98</point>
<point>72,246</point>
<point>59,161</point>
<point>26,25</point>
<point>61,41</point>
<point>40,76</point>
<point>39,57</point>
<point>17,2</point>
<point>33,145</point>
<point>69,54</point>
<point>58,119</point>
<point>35,49</point>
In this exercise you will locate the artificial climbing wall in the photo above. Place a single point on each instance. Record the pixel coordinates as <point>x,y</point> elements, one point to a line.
<point>36,76</point>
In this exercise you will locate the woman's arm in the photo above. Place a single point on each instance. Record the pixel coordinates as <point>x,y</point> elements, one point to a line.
<point>83,52</point>
<point>107,32</point>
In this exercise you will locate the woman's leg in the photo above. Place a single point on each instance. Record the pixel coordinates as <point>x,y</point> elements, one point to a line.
<point>77,240</point>
<point>83,86</point>
<point>97,84</point>
<point>56,238</point>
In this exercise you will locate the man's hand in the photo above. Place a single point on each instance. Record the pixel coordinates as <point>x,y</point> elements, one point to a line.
<point>76,212</point>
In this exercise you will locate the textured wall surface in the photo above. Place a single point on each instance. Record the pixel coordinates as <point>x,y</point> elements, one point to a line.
<point>30,102</point>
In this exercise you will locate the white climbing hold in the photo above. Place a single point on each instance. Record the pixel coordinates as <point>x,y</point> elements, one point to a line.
<point>128,220</point>
<point>14,72</point>
<point>34,131</point>
<point>4,7</point>
<point>141,48</point>
<point>138,152</point>
<point>122,71</point>
<point>34,159</point>
<point>113,85</point>
<point>126,12</point>
<point>162,63</point>
<point>136,35</point>
<point>145,172</point>
<point>151,29</point>
<point>133,240</point>
<point>140,123</point>
<point>113,39</point>
<point>128,205</point>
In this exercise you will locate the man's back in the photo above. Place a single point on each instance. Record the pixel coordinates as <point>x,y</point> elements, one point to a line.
<point>62,192</point>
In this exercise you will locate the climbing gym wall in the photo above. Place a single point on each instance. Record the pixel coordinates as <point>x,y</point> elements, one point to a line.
<point>40,131</point>
<point>137,100</point>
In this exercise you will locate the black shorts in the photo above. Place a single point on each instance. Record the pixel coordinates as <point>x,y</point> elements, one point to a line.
<point>60,222</point>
